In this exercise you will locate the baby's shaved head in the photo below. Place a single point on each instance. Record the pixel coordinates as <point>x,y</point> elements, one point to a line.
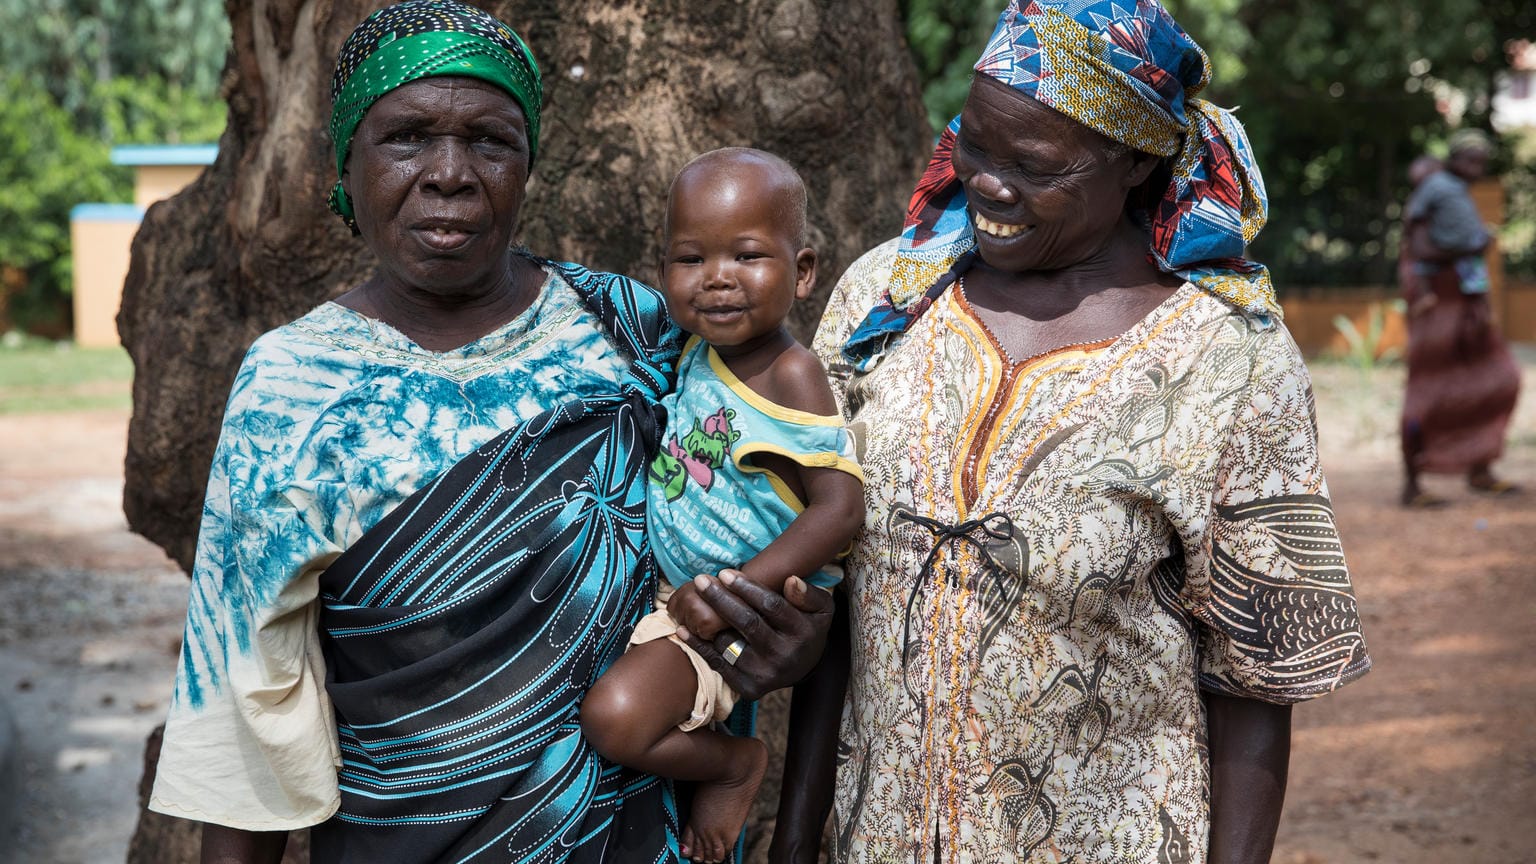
<point>728,164</point>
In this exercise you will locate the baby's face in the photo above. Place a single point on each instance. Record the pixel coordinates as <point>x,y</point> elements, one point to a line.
<point>731,267</point>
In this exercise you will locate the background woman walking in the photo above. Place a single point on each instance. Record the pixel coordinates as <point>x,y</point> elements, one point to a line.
<point>1462,380</point>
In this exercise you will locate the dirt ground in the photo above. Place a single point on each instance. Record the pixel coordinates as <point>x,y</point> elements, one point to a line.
<point>1430,758</point>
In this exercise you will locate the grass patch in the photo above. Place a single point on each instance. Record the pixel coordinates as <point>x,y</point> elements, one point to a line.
<point>38,376</point>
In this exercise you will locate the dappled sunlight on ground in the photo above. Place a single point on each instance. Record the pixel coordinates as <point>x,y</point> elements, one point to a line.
<point>90,621</point>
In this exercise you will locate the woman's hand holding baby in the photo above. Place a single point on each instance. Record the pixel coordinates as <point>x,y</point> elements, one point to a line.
<point>785,633</point>
<point>691,612</point>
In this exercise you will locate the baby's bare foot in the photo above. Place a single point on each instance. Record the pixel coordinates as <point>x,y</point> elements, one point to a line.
<point>720,807</point>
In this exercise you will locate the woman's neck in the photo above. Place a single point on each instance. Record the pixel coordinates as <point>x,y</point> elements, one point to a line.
<point>444,322</point>
<point>1034,312</point>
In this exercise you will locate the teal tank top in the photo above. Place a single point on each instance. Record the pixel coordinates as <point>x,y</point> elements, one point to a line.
<point>708,507</point>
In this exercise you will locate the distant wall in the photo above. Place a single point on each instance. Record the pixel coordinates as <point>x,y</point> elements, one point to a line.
<point>153,183</point>
<point>1310,315</point>
<point>99,237</point>
<point>1518,312</point>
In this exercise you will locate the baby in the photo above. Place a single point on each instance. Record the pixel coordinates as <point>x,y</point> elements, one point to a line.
<point>1412,283</point>
<point>755,474</point>
<point>1421,168</point>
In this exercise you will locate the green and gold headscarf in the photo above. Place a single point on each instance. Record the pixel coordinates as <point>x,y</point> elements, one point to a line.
<point>421,39</point>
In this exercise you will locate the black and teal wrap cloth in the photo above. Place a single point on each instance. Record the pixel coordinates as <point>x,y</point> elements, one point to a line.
<point>463,630</point>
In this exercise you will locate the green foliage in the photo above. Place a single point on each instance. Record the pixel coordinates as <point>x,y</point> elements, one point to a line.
<point>80,76</point>
<point>37,375</point>
<point>155,110</point>
<point>1517,238</point>
<point>72,47</point>
<point>1338,96</point>
<point>945,39</point>
<point>47,167</point>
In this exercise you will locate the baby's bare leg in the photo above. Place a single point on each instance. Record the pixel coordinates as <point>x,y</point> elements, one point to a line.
<point>631,716</point>
<point>720,807</point>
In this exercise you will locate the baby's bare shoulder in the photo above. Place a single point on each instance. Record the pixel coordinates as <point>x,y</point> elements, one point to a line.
<point>796,379</point>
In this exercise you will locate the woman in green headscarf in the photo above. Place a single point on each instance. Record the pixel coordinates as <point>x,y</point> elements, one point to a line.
<point>424,531</point>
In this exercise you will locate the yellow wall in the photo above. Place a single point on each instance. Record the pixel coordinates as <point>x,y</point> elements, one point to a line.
<point>100,252</point>
<point>153,183</point>
<point>101,234</point>
<point>1310,318</point>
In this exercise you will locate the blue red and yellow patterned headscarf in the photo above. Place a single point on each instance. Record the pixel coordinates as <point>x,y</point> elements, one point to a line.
<point>1128,71</point>
<point>421,39</point>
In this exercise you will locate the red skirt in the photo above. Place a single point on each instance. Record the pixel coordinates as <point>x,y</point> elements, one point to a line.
<point>1462,381</point>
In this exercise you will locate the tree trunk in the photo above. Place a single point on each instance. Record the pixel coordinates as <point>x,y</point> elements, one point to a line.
<point>632,91</point>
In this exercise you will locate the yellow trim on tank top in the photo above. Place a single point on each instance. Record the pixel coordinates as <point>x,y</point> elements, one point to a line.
<point>822,459</point>
<point>755,399</point>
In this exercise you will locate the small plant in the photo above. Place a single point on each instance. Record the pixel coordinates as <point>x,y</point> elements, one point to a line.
<point>1365,349</point>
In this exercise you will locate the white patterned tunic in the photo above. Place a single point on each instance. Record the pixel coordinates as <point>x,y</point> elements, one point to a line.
<point>1059,555</point>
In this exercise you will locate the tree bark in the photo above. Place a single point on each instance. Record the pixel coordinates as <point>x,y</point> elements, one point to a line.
<point>633,89</point>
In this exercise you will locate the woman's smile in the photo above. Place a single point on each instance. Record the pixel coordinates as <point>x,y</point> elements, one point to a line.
<point>998,229</point>
<point>1019,158</point>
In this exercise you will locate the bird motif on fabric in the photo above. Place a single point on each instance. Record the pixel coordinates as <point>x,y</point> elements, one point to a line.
<point>1091,599</point>
<point>1000,580</point>
<point>1120,475</point>
<point>1174,848</point>
<point>1152,408</point>
<point>1149,414</point>
<point>1086,720</point>
<point>1027,811</point>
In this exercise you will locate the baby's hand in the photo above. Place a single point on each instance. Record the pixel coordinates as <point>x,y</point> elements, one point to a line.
<point>689,610</point>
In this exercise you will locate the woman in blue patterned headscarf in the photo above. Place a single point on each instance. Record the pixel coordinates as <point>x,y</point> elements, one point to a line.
<point>1099,561</point>
<point>424,534</point>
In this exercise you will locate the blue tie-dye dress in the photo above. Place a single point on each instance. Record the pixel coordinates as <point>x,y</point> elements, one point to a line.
<point>446,627</point>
